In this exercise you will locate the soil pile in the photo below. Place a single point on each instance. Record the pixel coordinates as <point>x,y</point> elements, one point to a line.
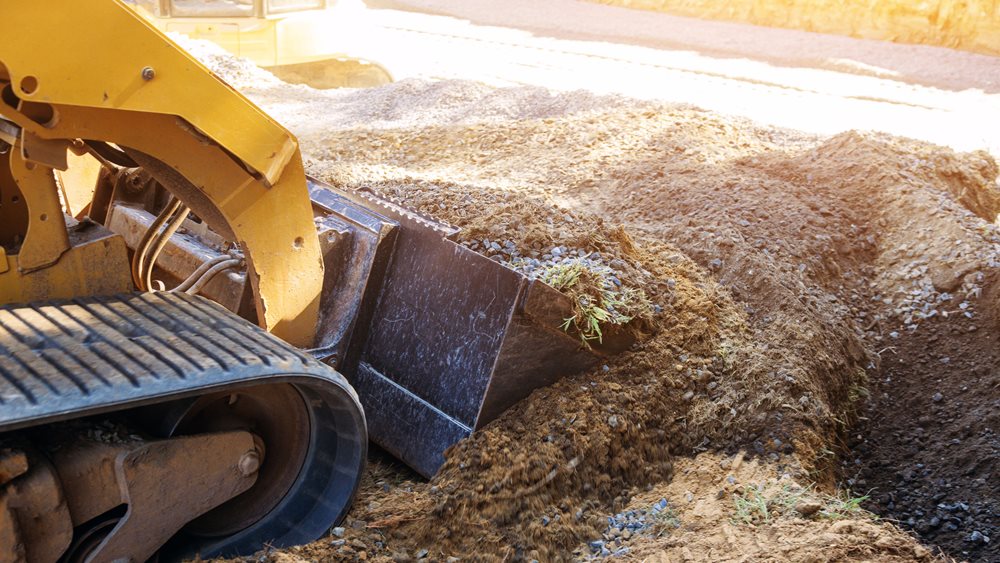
<point>789,276</point>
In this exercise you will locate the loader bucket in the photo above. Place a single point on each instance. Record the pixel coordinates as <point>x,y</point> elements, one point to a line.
<point>438,340</point>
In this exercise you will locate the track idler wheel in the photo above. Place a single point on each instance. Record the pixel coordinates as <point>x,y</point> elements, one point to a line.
<point>312,446</point>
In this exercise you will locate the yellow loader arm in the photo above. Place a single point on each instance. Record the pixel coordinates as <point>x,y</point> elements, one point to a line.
<point>108,75</point>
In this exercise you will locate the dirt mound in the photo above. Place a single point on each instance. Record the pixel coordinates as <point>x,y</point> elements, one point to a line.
<point>772,351</point>
<point>782,269</point>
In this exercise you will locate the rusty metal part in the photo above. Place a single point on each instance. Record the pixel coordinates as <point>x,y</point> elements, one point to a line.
<point>11,547</point>
<point>43,500</point>
<point>167,483</point>
<point>36,512</point>
<point>275,414</point>
<point>13,463</point>
<point>87,470</point>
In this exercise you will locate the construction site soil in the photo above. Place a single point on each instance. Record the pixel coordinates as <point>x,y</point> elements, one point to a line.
<point>823,343</point>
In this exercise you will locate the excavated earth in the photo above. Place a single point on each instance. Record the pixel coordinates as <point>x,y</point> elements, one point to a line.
<point>820,378</point>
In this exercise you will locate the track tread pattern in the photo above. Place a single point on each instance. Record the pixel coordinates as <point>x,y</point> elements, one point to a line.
<point>62,359</point>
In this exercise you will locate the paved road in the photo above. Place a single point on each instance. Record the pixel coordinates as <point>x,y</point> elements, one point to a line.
<point>812,82</point>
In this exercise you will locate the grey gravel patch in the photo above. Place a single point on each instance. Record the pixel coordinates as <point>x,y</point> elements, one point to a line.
<point>625,526</point>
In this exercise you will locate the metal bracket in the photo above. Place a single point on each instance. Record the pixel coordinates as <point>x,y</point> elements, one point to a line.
<point>47,238</point>
<point>209,468</point>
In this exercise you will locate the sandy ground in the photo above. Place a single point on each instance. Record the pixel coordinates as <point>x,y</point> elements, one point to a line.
<point>810,82</point>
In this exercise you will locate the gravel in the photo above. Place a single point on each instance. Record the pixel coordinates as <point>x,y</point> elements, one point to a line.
<point>928,285</point>
<point>628,525</point>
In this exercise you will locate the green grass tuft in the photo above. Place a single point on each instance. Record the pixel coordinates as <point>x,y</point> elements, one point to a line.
<point>597,301</point>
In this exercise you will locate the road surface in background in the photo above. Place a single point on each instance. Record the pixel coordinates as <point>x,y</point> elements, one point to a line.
<point>812,82</point>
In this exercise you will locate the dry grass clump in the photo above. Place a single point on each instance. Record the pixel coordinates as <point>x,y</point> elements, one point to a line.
<point>597,300</point>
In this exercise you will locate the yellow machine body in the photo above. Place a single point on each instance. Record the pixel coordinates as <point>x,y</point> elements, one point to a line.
<point>244,169</point>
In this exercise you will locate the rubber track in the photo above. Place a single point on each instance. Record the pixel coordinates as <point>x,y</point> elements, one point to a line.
<point>64,359</point>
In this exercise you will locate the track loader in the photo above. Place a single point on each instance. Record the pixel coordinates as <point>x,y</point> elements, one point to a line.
<point>180,305</point>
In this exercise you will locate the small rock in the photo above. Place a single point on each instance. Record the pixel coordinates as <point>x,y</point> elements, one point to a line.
<point>808,508</point>
<point>338,543</point>
<point>977,537</point>
<point>338,531</point>
<point>937,398</point>
<point>613,421</point>
<point>422,553</point>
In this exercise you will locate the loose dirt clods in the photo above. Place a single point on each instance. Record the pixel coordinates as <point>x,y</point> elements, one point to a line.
<point>806,296</point>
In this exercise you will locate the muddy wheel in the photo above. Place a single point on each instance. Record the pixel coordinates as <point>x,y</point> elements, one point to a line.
<point>313,445</point>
